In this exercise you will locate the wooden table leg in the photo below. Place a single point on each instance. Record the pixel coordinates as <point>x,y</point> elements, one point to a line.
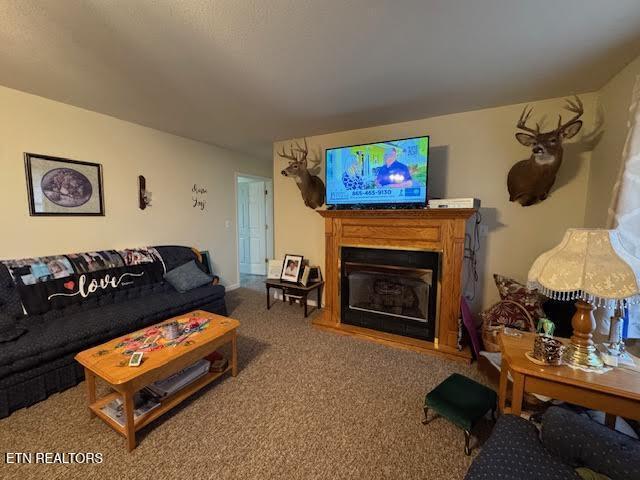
<point>610,420</point>
<point>305,305</point>
<point>518,393</point>
<point>268,299</point>
<point>234,354</point>
<point>319,306</point>
<point>129,423</point>
<point>90,378</point>
<point>502,391</point>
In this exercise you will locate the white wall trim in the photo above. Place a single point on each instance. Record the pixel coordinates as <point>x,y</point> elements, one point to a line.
<point>233,286</point>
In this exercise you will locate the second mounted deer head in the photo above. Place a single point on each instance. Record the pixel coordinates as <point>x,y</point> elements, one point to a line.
<point>529,181</point>
<point>310,185</point>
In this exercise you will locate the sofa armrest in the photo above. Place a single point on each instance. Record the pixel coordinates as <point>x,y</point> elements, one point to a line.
<point>513,451</point>
<point>579,441</point>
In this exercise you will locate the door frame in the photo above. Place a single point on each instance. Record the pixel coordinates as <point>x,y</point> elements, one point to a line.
<point>268,218</point>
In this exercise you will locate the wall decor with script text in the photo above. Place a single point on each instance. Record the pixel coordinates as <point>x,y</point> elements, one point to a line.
<point>58,186</point>
<point>199,196</point>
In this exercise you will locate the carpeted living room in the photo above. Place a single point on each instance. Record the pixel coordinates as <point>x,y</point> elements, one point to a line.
<point>320,240</point>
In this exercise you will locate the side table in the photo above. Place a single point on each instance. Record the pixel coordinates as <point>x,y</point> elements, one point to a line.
<point>616,392</point>
<point>297,290</point>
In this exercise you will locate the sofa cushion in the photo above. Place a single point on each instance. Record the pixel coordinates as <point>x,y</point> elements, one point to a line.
<point>187,277</point>
<point>10,302</point>
<point>49,339</point>
<point>513,451</point>
<point>579,441</point>
<point>9,330</point>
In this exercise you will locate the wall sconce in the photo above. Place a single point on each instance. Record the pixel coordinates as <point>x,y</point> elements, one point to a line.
<point>144,196</point>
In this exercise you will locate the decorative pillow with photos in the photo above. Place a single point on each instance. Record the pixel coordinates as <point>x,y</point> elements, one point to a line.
<point>510,314</point>
<point>531,300</point>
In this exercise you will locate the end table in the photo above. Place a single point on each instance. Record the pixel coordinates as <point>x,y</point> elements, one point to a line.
<point>295,289</point>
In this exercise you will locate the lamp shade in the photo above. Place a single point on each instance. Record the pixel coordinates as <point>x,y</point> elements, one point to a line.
<point>590,265</point>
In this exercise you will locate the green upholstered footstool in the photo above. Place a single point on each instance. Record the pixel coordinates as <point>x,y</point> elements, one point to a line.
<point>461,401</point>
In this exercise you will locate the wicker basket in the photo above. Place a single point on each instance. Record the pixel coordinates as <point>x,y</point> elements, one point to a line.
<point>490,337</point>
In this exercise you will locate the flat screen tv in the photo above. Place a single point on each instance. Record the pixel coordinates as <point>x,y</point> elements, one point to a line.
<point>391,174</point>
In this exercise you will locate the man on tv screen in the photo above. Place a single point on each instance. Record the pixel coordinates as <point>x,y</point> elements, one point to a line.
<point>393,173</point>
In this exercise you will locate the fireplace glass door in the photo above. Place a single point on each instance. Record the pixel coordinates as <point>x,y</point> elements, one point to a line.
<point>396,292</point>
<point>390,290</point>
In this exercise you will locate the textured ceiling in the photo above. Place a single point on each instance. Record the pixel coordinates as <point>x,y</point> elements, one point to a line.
<point>243,73</point>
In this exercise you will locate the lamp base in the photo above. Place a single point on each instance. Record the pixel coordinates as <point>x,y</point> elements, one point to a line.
<point>581,352</point>
<point>579,356</point>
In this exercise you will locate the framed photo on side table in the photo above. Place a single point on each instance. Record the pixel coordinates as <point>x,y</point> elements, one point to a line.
<point>291,268</point>
<point>304,279</point>
<point>315,275</point>
<point>59,186</point>
<point>274,269</point>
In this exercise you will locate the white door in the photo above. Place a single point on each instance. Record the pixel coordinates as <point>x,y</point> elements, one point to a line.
<point>244,254</point>
<point>257,229</point>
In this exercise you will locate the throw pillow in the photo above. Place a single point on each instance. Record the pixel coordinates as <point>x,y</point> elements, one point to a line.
<point>187,277</point>
<point>510,314</point>
<point>531,300</point>
<point>8,329</point>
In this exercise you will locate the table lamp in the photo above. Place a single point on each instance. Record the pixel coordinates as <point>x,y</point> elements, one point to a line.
<point>592,267</point>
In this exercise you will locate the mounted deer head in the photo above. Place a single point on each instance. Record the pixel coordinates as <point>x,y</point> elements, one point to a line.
<point>530,180</point>
<point>310,185</point>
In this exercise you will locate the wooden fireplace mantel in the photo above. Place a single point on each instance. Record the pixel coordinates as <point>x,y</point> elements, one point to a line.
<point>439,230</point>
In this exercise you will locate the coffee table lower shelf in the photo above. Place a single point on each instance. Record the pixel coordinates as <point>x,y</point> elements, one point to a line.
<point>166,404</point>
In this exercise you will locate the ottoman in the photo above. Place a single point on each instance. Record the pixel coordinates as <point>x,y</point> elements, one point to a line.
<point>462,401</point>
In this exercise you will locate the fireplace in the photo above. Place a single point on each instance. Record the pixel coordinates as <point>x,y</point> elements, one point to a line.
<point>425,247</point>
<point>390,290</point>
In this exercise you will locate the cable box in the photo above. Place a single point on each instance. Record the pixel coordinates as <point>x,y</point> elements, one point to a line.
<point>454,203</point>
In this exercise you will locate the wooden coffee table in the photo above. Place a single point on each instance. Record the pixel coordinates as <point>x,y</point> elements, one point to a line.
<point>109,363</point>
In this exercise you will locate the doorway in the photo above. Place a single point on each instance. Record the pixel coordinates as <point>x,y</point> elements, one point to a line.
<point>255,227</point>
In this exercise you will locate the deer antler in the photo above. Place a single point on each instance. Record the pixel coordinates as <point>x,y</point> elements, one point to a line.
<point>575,107</point>
<point>522,122</point>
<point>289,156</point>
<point>303,151</point>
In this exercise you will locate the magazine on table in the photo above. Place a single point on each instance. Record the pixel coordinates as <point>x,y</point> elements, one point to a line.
<point>142,401</point>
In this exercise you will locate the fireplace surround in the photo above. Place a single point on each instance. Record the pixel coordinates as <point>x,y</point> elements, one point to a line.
<point>387,312</point>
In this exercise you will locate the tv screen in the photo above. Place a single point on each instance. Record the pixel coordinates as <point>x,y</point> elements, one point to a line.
<point>382,174</point>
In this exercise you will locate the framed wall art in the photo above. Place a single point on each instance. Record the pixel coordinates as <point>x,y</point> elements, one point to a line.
<point>63,187</point>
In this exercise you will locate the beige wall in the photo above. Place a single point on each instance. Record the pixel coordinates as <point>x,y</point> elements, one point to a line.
<point>471,154</point>
<point>614,100</point>
<point>171,165</point>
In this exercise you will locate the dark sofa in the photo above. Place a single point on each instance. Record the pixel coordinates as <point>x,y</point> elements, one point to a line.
<point>41,361</point>
<point>567,441</point>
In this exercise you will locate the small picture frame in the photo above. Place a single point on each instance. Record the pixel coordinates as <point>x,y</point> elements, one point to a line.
<point>291,268</point>
<point>274,269</point>
<point>304,279</point>
<point>136,359</point>
<point>315,274</point>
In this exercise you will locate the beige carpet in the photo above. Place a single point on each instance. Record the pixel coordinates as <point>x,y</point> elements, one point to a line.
<point>306,405</point>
